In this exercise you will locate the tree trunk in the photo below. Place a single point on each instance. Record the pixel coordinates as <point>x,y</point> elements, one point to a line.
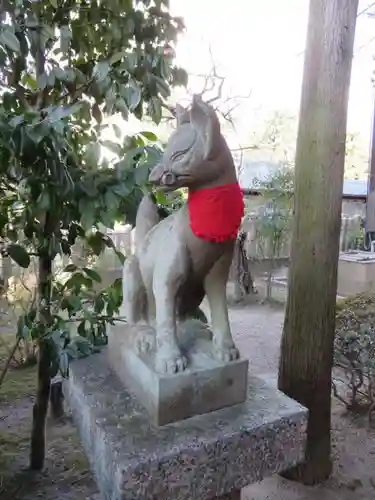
<point>40,409</point>
<point>7,271</point>
<point>57,399</point>
<point>269,285</point>
<point>307,340</point>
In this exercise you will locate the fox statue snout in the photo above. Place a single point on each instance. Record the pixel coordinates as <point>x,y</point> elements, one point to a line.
<point>161,178</point>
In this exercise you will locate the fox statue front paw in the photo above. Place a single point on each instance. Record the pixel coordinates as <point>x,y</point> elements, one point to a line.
<point>145,342</point>
<point>168,359</point>
<point>226,351</point>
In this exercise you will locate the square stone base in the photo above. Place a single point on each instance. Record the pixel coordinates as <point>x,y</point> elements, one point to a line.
<point>206,385</point>
<point>356,273</point>
<point>201,458</point>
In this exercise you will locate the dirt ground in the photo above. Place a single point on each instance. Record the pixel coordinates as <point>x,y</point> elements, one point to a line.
<point>257,329</point>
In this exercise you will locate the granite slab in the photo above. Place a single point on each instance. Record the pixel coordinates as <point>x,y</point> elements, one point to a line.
<point>203,457</point>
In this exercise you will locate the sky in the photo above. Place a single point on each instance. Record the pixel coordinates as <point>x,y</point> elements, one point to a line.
<point>258,46</point>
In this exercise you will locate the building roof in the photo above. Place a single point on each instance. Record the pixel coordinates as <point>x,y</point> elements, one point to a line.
<point>251,171</point>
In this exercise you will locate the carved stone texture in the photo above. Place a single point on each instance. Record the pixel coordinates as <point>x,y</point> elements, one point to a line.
<point>206,385</point>
<point>176,263</point>
<point>201,458</point>
<point>234,495</point>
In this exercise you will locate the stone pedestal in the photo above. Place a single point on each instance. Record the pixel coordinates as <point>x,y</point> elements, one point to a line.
<point>206,385</point>
<point>356,273</point>
<point>201,458</point>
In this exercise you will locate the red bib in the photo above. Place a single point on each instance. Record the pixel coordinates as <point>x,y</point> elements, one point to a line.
<point>216,213</point>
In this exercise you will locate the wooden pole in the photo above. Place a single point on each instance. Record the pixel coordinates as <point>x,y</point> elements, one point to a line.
<point>308,336</point>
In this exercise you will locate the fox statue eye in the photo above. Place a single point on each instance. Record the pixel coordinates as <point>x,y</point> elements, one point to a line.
<point>178,155</point>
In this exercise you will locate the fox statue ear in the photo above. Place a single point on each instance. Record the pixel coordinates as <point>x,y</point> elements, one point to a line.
<point>206,123</point>
<point>182,115</point>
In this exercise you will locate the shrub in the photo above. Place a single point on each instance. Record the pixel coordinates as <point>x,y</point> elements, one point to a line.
<point>354,353</point>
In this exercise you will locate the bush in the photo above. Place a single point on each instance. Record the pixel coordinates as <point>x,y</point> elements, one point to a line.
<point>354,353</point>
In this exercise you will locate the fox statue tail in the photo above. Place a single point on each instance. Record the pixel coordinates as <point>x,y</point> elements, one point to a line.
<point>147,218</point>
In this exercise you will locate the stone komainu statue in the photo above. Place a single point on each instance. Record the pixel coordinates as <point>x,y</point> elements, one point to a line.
<point>187,255</point>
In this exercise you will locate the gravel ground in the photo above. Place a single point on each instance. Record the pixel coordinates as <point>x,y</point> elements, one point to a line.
<point>257,331</point>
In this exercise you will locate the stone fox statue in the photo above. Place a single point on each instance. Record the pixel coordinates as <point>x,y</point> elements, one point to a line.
<point>182,258</point>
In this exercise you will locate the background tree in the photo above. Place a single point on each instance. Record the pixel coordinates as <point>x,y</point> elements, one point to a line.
<point>64,66</point>
<point>308,336</point>
<point>274,218</point>
<point>274,139</point>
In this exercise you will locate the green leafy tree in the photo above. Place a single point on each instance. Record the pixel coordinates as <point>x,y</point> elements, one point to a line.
<point>274,220</point>
<point>64,66</point>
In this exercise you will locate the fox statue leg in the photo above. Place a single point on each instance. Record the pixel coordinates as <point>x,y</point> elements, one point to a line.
<point>215,287</point>
<point>168,273</point>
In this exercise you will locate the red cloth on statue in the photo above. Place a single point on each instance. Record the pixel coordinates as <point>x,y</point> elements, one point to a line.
<point>216,213</point>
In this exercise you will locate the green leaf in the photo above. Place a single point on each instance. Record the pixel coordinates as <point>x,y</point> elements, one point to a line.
<point>132,94</point>
<point>111,200</point>
<point>87,210</point>
<point>54,3</point>
<point>74,302</point>
<point>76,281</point>
<point>96,243</point>
<point>42,81</point>
<point>19,254</point>
<point>70,268</point>
<point>162,86</point>
<point>107,218</point>
<point>89,188</point>
<point>150,136</point>
<point>88,219</point>
<point>117,57</point>
<point>155,109</point>
<point>122,189</point>
<point>51,79</point>
<point>97,113</point>
<point>59,74</point>
<point>29,81</point>
<point>65,37</point>
<point>16,120</point>
<point>132,61</point>
<point>43,201</point>
<point>92,274</point>
<point>117,289</point>
<point>122,108</point>
<point>99,304</point>
<point>141,174</point>
<point>61,112</point>
<point>161,198</point>
<point>101,71</point>
<point>10,40</point>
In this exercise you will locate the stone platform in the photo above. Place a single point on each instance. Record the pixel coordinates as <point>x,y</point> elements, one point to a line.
<point>204,457</point>
<point>206,385</point>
